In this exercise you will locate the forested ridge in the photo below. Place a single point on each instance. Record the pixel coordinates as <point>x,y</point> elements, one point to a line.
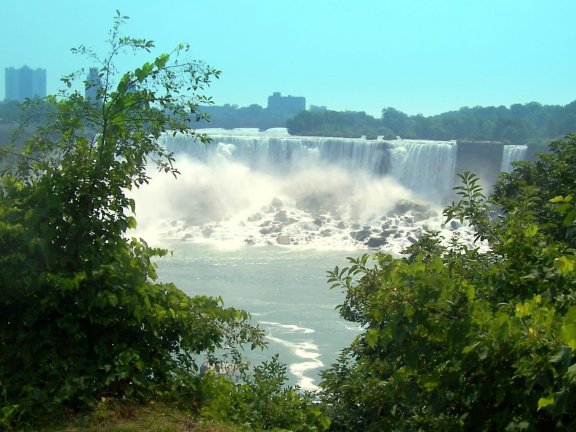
<point>453,337</point>
<point>518,124</point>
<point>528,123</point>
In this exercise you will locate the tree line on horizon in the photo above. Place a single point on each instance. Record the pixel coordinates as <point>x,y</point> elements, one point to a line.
<point>530,123</point>
<point>518,124</point>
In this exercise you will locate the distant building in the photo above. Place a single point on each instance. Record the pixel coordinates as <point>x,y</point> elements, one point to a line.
<point>279,110</point>
<point>318,108</point>
<point>93,85</point>
<point>286,105</point>
<point>24,83</point>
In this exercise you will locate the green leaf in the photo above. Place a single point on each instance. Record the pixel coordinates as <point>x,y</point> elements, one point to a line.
<point>372,337</point>
<point>562,358</point>
<point>468,349</point>
<point>131,222</point>
<point>140,74</point>
<point>543,402</point>
<point>565,264</point>
<point>561,199</point>
<point>530,231</point>
<point>568,329</point>
<point>571,374</point>
<point>430,382</point>
<point>470,292</point>
<point>161,61</point>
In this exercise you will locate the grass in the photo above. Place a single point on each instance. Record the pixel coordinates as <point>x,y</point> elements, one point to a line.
<point>130,417</point>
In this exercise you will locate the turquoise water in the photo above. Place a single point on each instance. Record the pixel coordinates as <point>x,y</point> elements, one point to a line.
<point>284,289</point>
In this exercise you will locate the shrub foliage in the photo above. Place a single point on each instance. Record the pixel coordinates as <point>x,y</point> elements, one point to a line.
<point>81,315</point>
<point>458,338</point>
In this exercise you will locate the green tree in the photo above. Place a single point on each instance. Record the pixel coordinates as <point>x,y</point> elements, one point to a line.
<point>263,402</point>
<point>81,316</point>
<point>457,338</point>
<point>538,182</point>
<point>531,123</point>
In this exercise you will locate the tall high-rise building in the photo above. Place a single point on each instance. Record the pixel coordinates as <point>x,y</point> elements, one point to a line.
<point>24,83</point>
<point>93,85</point>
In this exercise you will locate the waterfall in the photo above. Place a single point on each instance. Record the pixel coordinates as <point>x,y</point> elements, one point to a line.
<point>424,167</point>
<point>249,187</point>
<point>512,153</point>
<point>272,152</point>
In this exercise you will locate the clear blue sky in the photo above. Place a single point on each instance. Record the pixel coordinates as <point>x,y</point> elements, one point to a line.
<point>418,56</point>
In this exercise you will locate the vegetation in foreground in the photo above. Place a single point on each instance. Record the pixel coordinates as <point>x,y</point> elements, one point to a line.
<point>82,316</point>
<point>459,339</point>
<point>114,416</point>
<point>455,338</point>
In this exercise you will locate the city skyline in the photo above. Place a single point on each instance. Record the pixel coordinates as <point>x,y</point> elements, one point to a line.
<point>418,57</point>
<point>24,83</point>
<point>37,89</point>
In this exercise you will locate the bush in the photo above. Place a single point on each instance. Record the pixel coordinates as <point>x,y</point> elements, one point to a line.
<point>262,401</point>
<point>457,338</point>
<point>81,316</point>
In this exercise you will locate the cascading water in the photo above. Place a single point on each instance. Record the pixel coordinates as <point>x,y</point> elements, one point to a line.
<point>425,167</point>
<point>252,187</point>
<point>512,153</point>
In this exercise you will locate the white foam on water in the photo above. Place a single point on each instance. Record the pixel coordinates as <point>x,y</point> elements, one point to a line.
<point>307,351</point>
<point>230,206</point>
<point>293,328</point>
<point>268,188</point>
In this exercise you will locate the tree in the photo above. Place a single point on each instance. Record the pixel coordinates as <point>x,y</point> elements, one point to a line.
<point>81,316</point>
<point>540,182</point>
<point>458,338</point>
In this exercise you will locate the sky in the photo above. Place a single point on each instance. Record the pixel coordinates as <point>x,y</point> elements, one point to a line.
<point>418,56</point>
